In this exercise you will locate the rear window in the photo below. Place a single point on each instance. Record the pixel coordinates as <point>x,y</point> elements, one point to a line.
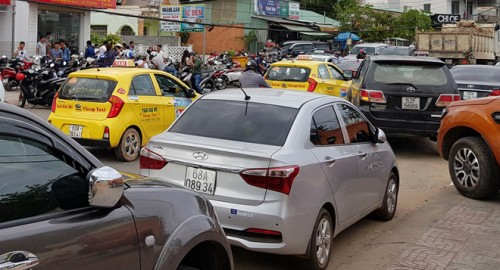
<point>410,73</point>
<point>237,121</point>
<point>395,51</point>
<point>90,89</point>
<point>476,74</point>
<point>290,74</point>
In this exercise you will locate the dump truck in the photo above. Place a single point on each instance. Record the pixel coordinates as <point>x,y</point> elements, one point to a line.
<point>465,42</point>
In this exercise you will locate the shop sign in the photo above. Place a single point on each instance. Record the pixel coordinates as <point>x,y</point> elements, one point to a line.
<point>4,2</point>
<point>194,14</point>
<point>82,3</point>
<point>284,9</point>
<point>294,11</point>
<point>439,19</point>
<point>171,12</point>
<point>267,7</point>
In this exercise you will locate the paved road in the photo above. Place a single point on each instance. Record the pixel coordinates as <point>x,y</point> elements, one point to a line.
<point>434,227</point>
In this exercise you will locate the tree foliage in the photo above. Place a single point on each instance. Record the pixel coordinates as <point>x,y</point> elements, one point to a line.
<point>405,25</point>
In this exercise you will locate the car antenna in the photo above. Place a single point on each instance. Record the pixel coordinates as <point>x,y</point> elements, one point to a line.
<point>247,97</point>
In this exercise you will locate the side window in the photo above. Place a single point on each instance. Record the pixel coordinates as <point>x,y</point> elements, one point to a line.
<point>360,74</point>
<point>323,72</point>
<point>325,127</point>
<point>357,127</point>
<point>37,180</point>
<point>169,87</point>
<point>335,73</point>
<point>142,86</point>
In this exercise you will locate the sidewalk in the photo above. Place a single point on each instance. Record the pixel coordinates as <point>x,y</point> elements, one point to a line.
<point>466,237</point>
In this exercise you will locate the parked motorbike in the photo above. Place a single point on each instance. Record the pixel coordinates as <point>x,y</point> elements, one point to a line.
<point>13,67</point>
<point>38,87</point>
<point>207,83</point>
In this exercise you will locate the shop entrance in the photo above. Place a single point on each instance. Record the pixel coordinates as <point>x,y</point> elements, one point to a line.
<point>62,25</point>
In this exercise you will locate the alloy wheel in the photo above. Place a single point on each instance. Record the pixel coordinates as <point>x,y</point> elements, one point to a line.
<point>323,241</point>
<point>131,144</point>
<point>466,167</point>
<point>392,195</point>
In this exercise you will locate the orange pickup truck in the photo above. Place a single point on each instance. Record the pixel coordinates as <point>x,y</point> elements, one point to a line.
<point>469,138</point>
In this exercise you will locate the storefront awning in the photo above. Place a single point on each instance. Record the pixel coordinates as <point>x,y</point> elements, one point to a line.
<point>4,2</point>
<point>304,30</point>
<point>81,3</point>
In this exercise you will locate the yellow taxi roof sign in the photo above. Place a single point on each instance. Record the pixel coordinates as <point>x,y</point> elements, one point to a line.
<point>304,57</point>
<point>123,63</point>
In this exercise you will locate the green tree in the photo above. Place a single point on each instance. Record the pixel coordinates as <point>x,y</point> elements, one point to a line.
<point>405,25</point>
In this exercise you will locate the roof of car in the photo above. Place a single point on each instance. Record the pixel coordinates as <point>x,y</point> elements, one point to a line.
<point>113,72</point>
<point>370,45</point>
<point>295,62</point>
<point>427,59</point>
<point>476,66</point>
<point>285,98</point>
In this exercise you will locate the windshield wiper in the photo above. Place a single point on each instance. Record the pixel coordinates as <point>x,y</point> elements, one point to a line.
<point>401,83</point>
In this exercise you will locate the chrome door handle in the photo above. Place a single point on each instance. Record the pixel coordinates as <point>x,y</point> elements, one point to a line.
<point>362,154</point>
<point>19,260</point>
<point>329,161</point>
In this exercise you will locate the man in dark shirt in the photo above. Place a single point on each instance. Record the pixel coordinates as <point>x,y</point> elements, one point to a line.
<point>196,72</point>
<point>250,78</point>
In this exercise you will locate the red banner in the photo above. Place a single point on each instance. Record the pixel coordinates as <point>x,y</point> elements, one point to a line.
<point>81,3</point>
<point>4,2</point>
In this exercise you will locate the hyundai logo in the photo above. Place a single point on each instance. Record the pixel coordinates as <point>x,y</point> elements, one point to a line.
<point>78,106</point>
<point>200,155</point>
<point>411,89</point>
<point>470,86</point>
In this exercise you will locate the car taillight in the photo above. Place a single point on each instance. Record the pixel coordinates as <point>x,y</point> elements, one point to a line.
<point>151,160</point>
<point>494,93</point>
<point>445,99</point>
<point>374,96</point>
<point>54,101</point>
<point>312,85</point>
<point>116,106</point>
<point>278,179</point>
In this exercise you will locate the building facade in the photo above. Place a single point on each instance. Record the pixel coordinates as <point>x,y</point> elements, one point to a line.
<point>26,21</point>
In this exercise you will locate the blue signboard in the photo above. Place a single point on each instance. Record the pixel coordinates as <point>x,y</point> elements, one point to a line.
<point>267,7</point>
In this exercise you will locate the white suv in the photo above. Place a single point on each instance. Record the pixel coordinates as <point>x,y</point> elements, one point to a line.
<point>370,49</point>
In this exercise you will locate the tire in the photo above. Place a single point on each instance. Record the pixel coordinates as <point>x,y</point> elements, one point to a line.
<point>130,145</point>
<point>320,253</point>
<point>388,209</point>
<point>7,86</point>
<point>22,99</point>
<point>473,169</point>
<point>223,84</point>
<point>209,86</point>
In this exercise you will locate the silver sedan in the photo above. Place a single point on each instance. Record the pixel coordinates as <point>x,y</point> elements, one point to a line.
<point>286,171</point>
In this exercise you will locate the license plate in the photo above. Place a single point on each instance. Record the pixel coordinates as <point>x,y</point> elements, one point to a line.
<point>75,131</point>
<point>470,95</point>
<point>200,180</point>
<point>410,103</point>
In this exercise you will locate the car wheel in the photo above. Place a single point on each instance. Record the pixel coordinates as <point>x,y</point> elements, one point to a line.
<point>473,169</point>
<point>320,245</point>
<point>130,145</point>
<point>388,209</point>
<point>22,99</point>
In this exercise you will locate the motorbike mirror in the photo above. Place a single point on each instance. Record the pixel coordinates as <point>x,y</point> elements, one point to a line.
<point>191,93</point>
<point>4,56</point>
<point>64,63</point>
<point>81,54</point>
<point>52,65</point>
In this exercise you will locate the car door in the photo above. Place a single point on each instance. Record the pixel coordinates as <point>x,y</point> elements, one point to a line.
<point>340,84</point>
<point>354,92</point>
<point>373,171</point>
<point>148,105</point>
<point>46,221</point>
<point>325,83</point>
<point>174,96</point>
<point>337,160</point>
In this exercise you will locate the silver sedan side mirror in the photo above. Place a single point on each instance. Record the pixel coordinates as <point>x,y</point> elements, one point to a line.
<point>105,187</point>
<point>380,136</point>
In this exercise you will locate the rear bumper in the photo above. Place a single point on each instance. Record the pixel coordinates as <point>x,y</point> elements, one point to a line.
<point>403,127</point>
<point>294,225</point>
<point>93,143</point>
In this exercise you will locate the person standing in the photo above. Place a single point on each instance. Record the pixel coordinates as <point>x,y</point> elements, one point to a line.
<point>48,46</point>
<point>56,53</point>
<point>66,53</point>
<point>21,52</point>
<point>41,49</point>
<point>90,51</point>
<point>196,72</point>
<point>186,59</point>
<point>131,45</point>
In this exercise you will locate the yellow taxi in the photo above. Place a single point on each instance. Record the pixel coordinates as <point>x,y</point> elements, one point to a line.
<point>305,74</point>
<point>119,107</point>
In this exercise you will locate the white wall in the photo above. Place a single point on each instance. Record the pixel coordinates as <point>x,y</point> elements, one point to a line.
<point>437,6</point>
<point>114,22</point>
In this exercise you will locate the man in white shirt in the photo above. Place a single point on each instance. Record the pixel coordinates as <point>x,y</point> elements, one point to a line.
<point>21,52</point>
<point>41,47</point>
<point>103,49</point>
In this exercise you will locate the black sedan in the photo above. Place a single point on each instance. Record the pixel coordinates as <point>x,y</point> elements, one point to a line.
<point>60,208</point>
<point>477,81</point>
